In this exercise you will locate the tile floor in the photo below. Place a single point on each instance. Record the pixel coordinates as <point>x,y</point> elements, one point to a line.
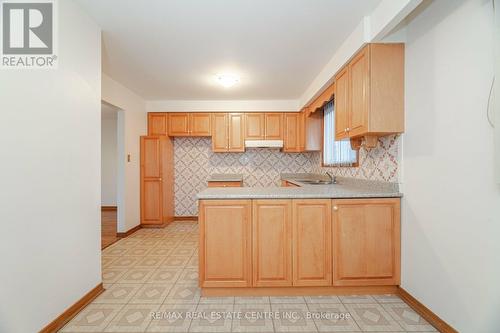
<point>151,286</point>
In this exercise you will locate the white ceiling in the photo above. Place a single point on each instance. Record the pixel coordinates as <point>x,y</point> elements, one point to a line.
<point>171,49</point>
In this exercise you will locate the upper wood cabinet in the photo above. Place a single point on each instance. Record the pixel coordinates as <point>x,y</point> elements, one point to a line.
<point>255,126</point>
<point>189,124</point>
<point>369,94</point>
<point>293,132</point>
<point>312,242</point>
<point>225,243</point>
<point>366,238</point>
<point>272,243</point>
<point>228,132</point>
<point>236,132</point>
<point>264,126</point>
<point>157,123</point>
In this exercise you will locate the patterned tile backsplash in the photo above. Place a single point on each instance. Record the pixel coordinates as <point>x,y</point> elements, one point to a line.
<point>195,162</point>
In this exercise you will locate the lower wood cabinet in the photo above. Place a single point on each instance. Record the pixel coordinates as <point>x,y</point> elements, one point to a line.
<point>225,243</point>
<point>272,243</point>
<point>366,242</point>
<point>299,242</point>
<point>312,242</point>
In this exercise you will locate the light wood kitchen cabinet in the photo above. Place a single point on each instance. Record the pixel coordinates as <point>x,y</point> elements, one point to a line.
<point>312,242</point>
<point>373,84</point>
<point>220,132</point>
<point>178,124</point>
<point>342,105</point>
<point>225,243</point>
<point>225,184</point>
<point>189,124</point>
<point>200,124</point>
<point>236,132</point>
<point>293,132</point>
<point>157,123</point>
<point>157,183</point>
<point>272,243</point>
<point>366,242</point>
<point>264,126</point>
<point>255,126</point>
<point>228,132</point>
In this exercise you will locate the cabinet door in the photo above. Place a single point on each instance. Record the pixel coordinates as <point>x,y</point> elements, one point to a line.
<point>200,124</point>
<point>342,104</point>
<point>272,248</point>
<point>167,176</point>
<point>151,181</point>
<point>225,243</point>
<point>178,124</point>
<point>236,132</point>
<point>274,126</point>
<point>312,242</point>
<point>291,132</point>
<point>254,126</point>
<point>157,124</point>
<point>220,132</point>
<point>366,242</point>
<point>358,77</point>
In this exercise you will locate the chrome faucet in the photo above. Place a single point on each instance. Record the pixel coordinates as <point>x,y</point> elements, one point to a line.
<point>333,179</point>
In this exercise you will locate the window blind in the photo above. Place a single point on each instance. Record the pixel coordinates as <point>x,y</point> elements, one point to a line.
<point>337,153</point>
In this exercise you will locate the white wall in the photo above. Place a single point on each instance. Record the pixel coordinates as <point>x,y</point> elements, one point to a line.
<point>109,157</point>
<point>451,221</point>
<point>132,123</point>
<point>50,123</point>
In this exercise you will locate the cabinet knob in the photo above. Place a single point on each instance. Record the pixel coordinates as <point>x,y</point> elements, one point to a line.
<point>348,129</point>
<point>335,208</point>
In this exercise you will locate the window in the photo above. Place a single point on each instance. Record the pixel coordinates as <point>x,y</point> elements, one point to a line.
<point>335,153</point>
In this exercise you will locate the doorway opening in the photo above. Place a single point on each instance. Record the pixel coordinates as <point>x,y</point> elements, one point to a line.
<point>110,169</point>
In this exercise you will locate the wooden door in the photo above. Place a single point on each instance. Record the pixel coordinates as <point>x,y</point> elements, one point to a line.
<point>220,132</point>
<point>157,123</point>
<point>312,242</point>
<point>366,242</point>
<point>167,176</point>
<point>151,181</point>
<point>254,126</point>
<point>291,132</point>
<point>274,126</point>
<point>236,132</point>
<point>342,104</point>
<point>225,243</point>
<point>178,124</point>
<point>359,93</point>
<point>200,124</point>
<point>272,247</point>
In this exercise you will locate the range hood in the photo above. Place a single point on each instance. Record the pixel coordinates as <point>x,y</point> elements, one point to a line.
<point>264,143</point>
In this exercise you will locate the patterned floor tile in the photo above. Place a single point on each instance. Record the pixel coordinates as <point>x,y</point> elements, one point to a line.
<point>216,300</point>
<point>150,262</point>
<point>117,294</point>
<point>252,318</point>
<point>287,299</point>
<point>136,275</point>
<point>183,294</point>
<point>160,251</point>
<point>183,251</point>
<point>373,318</point>
<point>176,261</point>
<point>322,299</point>
<point>357,299</point>
<point>138,251</point>
<point>407,318</point>
<point>332,318</point>
<point>151,293</point>
<point>125,262</point>
<point>212,318</point>
<point>172,318</point>
<point>292,318</point>
<point>188,276</point>
<point>132,318</point>
<point>164,275</point>
<point>112,275</point>
<point>252,300</point>
<point>94,318</point>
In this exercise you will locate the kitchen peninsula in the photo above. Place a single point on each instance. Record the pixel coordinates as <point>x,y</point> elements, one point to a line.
<point>301,239</point>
